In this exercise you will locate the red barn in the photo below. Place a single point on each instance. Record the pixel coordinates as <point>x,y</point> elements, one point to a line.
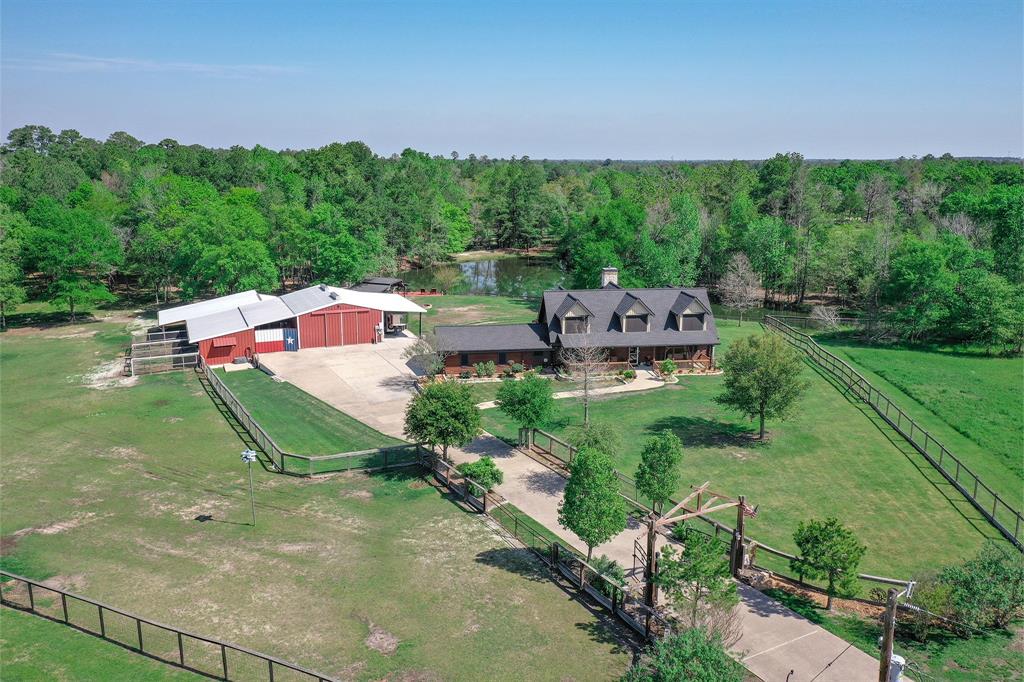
<point>320,316</point>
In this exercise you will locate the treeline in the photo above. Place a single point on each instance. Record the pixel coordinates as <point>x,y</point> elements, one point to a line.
<point>929,242</point>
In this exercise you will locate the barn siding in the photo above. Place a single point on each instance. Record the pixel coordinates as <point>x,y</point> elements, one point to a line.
<point>338,325</point>
<point>245,340</point>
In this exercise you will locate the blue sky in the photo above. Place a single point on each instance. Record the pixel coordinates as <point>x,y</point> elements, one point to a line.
<point>631,80</point>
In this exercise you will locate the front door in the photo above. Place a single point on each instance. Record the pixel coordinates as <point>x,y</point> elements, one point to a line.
<point>634,355</point>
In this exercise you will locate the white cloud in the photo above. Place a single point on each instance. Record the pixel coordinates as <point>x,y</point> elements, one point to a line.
<point>66,62</point>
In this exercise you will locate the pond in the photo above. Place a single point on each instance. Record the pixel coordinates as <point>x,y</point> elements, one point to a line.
<point>515,276</point>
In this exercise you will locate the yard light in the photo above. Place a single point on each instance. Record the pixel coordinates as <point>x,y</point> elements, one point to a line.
<point>249,456</point>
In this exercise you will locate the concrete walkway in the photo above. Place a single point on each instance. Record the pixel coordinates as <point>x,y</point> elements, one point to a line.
<point>645,380</point>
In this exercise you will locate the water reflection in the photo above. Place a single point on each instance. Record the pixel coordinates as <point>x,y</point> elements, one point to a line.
<point>521,277</point>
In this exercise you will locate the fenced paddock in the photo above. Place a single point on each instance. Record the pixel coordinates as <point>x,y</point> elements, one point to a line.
<point>757,554</point>
<point>160,352</point>
<point>204,655</point>
<point>406,454</point>
<point>1005,518</point>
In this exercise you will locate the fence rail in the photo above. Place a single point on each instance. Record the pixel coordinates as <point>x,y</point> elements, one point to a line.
<point>204,655</point>
<point>994,508</point>
<point>405,454</point>
<point>559,449</point>
<point>162,363</point>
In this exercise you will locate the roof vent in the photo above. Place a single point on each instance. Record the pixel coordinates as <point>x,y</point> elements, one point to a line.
<point>323,287</point>
<point>333,295</point>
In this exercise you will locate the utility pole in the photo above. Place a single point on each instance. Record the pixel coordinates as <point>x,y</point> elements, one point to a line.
<point>888,631</point>
<point>249,456</point>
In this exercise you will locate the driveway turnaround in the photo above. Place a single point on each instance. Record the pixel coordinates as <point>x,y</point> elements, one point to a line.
<point>370,382</point>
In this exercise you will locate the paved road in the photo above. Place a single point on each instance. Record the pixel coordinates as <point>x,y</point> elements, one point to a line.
<point>374,384</point>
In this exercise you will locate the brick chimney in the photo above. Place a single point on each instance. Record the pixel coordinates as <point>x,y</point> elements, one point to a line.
<point>609,276</point>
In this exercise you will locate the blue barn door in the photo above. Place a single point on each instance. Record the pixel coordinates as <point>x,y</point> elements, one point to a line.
<point>291,339</point>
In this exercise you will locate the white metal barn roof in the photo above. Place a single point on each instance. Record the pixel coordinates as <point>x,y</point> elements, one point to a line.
<point>214,305</point>
<point>249,309</point>
<point>392,303</point>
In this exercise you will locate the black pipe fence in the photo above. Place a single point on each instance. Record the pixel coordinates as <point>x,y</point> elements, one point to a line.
<point>1005,518</point>
<point>207,656</point>
<point>405,454</point>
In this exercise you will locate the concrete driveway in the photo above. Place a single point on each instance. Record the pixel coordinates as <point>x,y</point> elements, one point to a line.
<point>370,382</point>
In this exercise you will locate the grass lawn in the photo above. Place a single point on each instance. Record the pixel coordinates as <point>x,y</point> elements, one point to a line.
<point>297,421</point>
<point>834,457</point>
<point>33,648</point>
<point>468,309</point>
<point>134,495</point>
<point>971,402</point>
<point>942,657</point>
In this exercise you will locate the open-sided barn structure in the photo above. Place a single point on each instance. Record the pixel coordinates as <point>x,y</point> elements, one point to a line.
<point>248,323</point>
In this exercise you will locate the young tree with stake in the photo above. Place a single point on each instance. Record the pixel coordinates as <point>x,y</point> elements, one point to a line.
<point>657,475</point>
<point>591,506</point>
<point>443,414</point>
<point>762,378</point>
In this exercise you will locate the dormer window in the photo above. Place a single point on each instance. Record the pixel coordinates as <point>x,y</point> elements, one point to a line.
<point>636,323</point>
<point>575,325</point>
<point>692,322</point>
<point>573,316</point>
<point>633,314</point>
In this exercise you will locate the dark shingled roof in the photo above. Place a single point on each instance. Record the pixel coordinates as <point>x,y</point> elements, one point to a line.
<point>604,329</point>
<point>494,337</point>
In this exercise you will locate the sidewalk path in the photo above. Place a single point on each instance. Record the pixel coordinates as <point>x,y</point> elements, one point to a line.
<point>645,380</point>
<point>775,639</point>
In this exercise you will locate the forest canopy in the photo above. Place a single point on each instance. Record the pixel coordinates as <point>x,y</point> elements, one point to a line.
<point>936,245</point>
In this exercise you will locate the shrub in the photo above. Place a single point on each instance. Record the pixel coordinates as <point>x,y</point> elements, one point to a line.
<point>667,367</point>
<point>690,655</point>
<point>931,595</point>
<point>484,471</point>
<point>465,374</point>
<point>611,570</point>
<point>485,369</point>
<point>517,367</point>
<point>509,372</point>
<point>986,591</point>
<point>629,374</point>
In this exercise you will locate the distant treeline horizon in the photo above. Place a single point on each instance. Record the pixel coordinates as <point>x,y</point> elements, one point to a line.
<point>936,244</point>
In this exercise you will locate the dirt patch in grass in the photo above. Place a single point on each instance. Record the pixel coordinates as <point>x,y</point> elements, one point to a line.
<point>417,485</point>
<point>108,375</point>
<point>72,583</point>
<point>54,528</point>
<point>1018,640</point>
<point>172,420</point>
<point>364,495</point>
<point>381,641</point>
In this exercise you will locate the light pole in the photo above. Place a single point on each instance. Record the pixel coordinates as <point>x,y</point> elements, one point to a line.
<point>249,456</point>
